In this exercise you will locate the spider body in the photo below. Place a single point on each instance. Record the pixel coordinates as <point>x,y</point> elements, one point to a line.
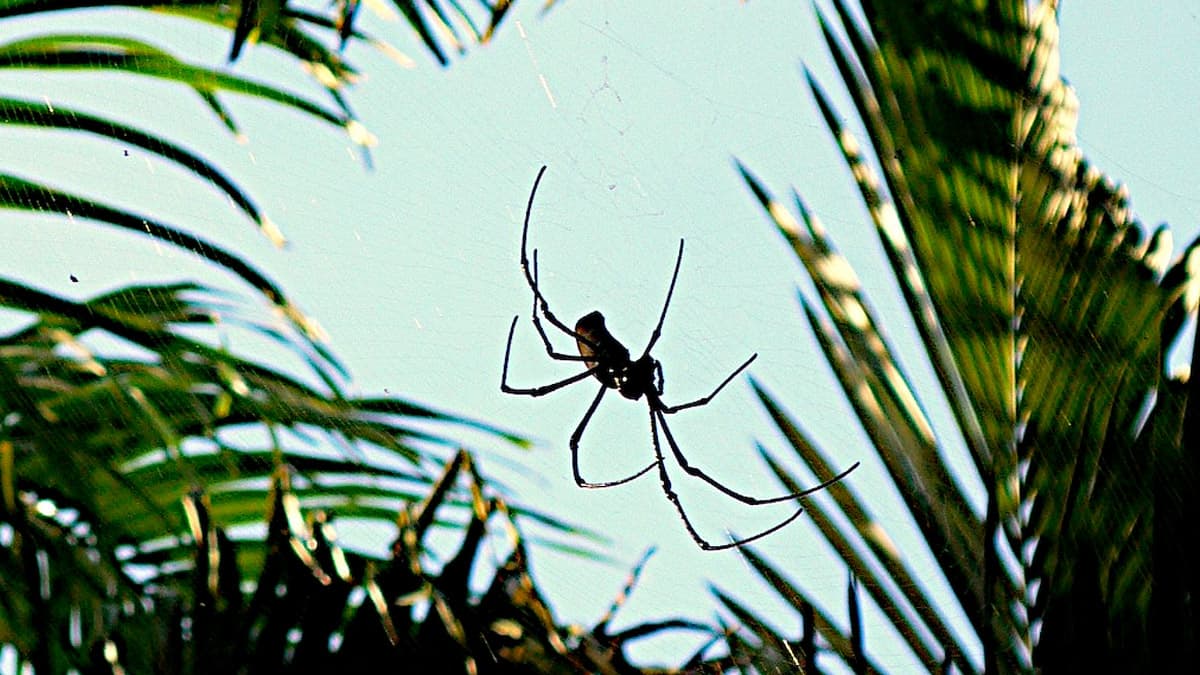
<point>609,361</point>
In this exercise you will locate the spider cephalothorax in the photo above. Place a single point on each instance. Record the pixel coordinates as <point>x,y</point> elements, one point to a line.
<point>608,361</point>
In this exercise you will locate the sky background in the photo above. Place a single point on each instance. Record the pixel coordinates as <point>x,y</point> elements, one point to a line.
<point>638,111</point>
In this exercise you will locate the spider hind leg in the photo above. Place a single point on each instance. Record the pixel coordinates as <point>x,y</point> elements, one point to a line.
<point>673,497</point>
<point>575,438</point>
<point>658,419</point>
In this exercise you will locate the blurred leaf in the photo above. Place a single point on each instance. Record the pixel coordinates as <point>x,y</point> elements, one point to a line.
<point>97,52</point>
<point>1044,309</point>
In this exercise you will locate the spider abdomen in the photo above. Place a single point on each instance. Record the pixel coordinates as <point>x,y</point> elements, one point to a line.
<point>597,345</point>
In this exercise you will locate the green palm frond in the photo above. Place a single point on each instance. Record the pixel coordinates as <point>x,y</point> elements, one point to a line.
<point>441,25</point>
<point>1048,315</point>
<point>94,52</point>
<point>58,118</point>
<point>300,34</point>
<point>91,54</point>
<point>112,416</point>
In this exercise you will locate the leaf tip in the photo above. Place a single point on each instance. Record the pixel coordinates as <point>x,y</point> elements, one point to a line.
<point>273,233</point>
<point>359,134</point>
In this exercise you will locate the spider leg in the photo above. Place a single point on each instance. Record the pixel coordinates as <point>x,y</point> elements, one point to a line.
<point>535,391</point>
<point>743,498</point>
<point>579,479</point>
<point>531,278</point>
<point>687,523</point>
<point>554,320</point>
<point>525,230</point>
<point>672,409</point>
<point>670,291</point>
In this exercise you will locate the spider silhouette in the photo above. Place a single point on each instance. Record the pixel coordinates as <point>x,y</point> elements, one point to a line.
<point>609,362</point>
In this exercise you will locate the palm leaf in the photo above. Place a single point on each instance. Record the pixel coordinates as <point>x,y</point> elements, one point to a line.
<point>117,440</point>
<point>1046,314</point>
<point>438,23</point>
<point>38,115</point>
<point>295,33</point>
<point>98,52</point>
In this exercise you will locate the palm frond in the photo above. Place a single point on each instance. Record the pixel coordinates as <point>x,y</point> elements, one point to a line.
<point>439,24</point>
<point>112,416</point>
<point>1047,314</point>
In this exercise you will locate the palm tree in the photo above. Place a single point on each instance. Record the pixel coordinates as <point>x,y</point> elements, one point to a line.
<point>1050,317</point>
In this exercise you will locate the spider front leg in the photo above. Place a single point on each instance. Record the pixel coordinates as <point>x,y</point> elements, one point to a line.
<point>575,437</point>
<point>657,332</point>
<point>665,478</point>
<point>531,279</point>
<point>539,299</point>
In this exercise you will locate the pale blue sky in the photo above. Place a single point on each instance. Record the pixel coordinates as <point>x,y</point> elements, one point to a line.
<point>413,268</point>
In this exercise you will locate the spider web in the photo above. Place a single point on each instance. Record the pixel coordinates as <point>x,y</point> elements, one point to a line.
<point>412,267</point>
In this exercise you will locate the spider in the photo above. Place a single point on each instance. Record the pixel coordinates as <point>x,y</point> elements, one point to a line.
<point>609,362</point>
